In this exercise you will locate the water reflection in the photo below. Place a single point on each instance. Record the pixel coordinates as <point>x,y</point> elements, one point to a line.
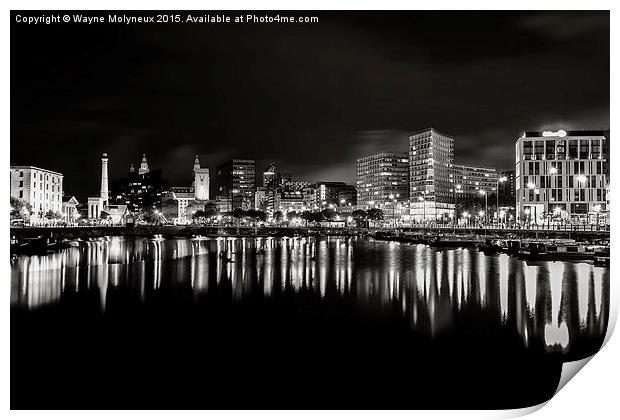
<point>561,307</point>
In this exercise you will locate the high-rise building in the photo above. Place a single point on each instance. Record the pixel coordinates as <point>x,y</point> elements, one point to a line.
<point>347,196</point>
<point>470,185</point>
<point>271,187</point>
<point>138,191</point>
<point>327,193</point>
<point>562,176</point>
<point>507,197</point>
<point>41,188</point>
<point>431,155</point>
<point>310,197</point>
<point>382,177</point>
<point>235,183</point>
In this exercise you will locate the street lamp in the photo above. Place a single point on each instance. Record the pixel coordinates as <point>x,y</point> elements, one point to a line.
<point>532,186</point>
<point>391,196</point>
<point>499,180</point>
<point>423,199</point>
<point>486,207</point>
<point>457,189</point>
<point>597,209</point>
<point>467,216</point>
<point>528,215</point>
<point>552,171</point>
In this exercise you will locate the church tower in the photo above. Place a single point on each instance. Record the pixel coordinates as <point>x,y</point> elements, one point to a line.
<point>201,181</point>
<point>144,166</point>
<point>196,164</point>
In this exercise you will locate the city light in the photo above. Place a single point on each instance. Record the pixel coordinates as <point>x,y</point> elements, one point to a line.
<point>553,170</point>
<point>582,178</point>
<point>531,185</point>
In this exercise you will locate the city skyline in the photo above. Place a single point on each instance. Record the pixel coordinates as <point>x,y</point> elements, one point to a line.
<point>367,81</point>
<point>205,203</point>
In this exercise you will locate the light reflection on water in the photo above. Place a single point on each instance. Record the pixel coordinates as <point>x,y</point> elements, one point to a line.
<point>561,306</point>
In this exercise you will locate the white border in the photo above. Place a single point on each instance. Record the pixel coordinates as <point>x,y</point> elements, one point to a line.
<point>592,394</point>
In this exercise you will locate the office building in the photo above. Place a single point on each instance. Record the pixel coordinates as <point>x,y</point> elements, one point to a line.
<point>328,193</point>
<point>470,184</point>
<point>271,189</point>
<point>507,194</point>
<point>381,178</point>
<point>139,190</point>
<point>235,184</point>
<point>431,155</point>
<point>562,177</point>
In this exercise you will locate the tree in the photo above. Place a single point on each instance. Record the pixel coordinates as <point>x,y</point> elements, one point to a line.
<point>257,215</point>
<point>292,215</point>
<point>53,215</point>
<point>148,215</point>
<point>308,216</point>
<point>359,215</point>
<point>20,209</point>
<point>328,214</point>
<point>238,213</point>
<point>375,214</point>
<point>278,216</point>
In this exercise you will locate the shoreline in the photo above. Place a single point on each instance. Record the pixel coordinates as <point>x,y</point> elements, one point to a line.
<point>87,232</point>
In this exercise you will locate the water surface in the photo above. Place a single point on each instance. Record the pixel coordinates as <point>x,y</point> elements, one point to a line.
<point>295,323</point>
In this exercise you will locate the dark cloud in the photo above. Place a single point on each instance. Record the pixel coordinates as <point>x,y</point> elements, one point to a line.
<point>311,98</point>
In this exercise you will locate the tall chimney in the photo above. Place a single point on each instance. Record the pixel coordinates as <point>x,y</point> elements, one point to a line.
<point>104,179</point>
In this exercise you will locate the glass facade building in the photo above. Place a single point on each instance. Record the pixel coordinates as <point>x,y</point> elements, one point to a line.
<point>562,176</point>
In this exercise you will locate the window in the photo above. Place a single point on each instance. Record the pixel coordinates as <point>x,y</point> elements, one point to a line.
<point>527,150</point>
<point>550,149</point>
<point>596,149</point>
<point>561,150</point>
<point>21,174</point>
<point>539,149</point>
<point>572,149</point>
<point>21,194</point>
<point>21,183</point>
<point>584,149</point>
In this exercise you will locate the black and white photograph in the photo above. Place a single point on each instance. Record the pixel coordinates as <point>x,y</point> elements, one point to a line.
<point>307,209</point>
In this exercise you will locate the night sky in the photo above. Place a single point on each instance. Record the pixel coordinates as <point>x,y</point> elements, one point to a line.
<point>309,97</point>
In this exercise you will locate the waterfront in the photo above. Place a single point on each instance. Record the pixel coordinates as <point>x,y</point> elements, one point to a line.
<point>295,322</point>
